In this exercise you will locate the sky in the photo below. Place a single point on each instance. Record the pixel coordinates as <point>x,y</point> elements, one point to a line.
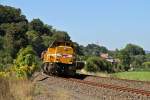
<point>110,23</point>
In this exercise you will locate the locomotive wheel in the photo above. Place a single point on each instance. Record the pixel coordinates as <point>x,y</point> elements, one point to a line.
<point>45,68</point>
<point>51,69</point>
<point>57,69</point>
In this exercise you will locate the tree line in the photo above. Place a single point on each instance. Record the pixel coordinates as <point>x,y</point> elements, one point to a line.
<point>131,57</point>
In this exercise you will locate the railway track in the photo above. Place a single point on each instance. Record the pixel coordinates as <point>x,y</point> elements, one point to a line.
<point>142,85</point>
<point>80,80</point>
<point>110,86</point>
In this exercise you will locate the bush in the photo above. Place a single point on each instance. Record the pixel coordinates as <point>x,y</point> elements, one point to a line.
<point>92,64</point>
<point>95,64</point>
<point>4,74</point>
<point>146,65</point>
<point>26,62</point>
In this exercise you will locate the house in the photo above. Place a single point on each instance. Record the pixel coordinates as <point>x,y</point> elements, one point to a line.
<point>108,58</point>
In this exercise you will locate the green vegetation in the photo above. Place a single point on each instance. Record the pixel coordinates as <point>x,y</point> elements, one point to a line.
<point>21,44</point>
<point>131,57</point>
<point>146,65</point>
<point>16,34</point>
<point>143,75</point>
<point>94,50</point>
<point>95,64</point>
<point>26,62</point>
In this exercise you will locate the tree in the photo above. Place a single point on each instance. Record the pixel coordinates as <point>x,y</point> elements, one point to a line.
<point>131,56</point>
<point>1,42</point>
<point>47,40</point>
<point>37,25</point>
<point>5,60</point>
<point>10,14</point>
<point>13,25</point>
<point>136,61</point>
<point>36,41</point>
<point>41,28</point>
<point>113,53</point>
<point>47,30</point>
<point>61,35</point>
<point>95,50</point>
<point>133,49</point>
<point>124,58</point>
<point>15,37</point>
<point>79,49</point>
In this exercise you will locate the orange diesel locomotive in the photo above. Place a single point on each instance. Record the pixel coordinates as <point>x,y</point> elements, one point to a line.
<point>60,58</point>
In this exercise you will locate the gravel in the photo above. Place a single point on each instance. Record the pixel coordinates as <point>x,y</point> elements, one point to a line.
<point>53,88</point>
<point>130,84</point>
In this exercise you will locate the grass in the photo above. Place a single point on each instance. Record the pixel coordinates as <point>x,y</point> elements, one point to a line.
<point>135,75</point>
<point>15,89</point>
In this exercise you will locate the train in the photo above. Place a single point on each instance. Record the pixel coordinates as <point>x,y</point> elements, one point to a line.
<point>60,58</point>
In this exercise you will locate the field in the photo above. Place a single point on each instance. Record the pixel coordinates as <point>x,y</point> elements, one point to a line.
<point>135,75</point>
<point>143,75</point>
